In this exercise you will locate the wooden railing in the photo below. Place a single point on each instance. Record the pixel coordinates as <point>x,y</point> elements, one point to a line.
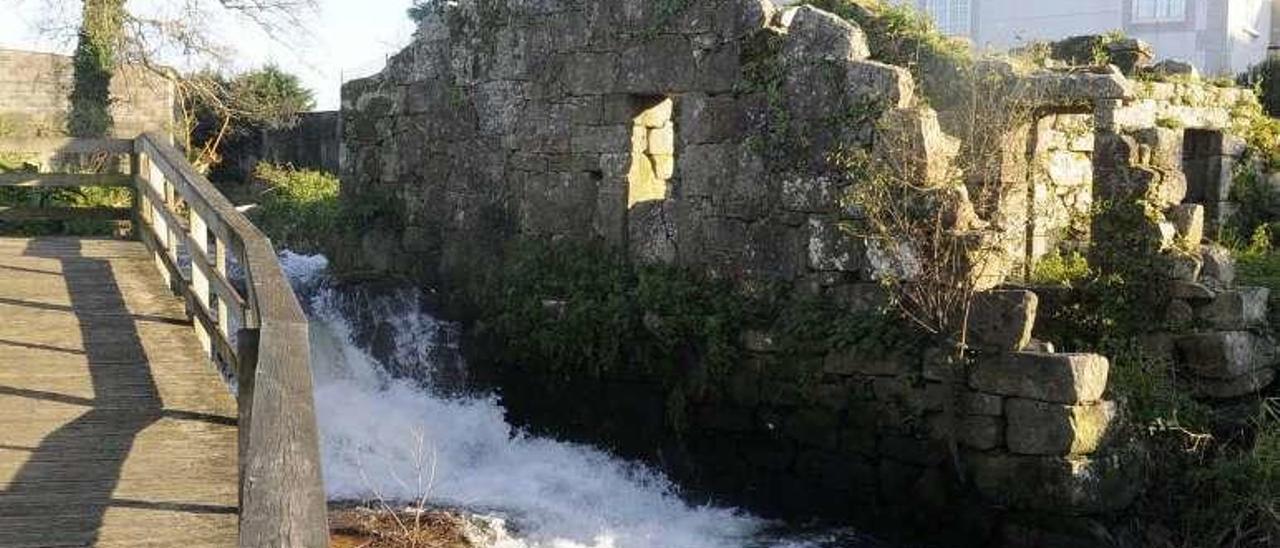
<point>85,151</point>
<point>251,324</point>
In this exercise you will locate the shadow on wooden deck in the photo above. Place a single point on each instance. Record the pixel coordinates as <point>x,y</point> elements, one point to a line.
<point>74,470</point>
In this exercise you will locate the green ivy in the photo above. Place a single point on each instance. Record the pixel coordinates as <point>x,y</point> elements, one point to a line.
<point>101,33</point>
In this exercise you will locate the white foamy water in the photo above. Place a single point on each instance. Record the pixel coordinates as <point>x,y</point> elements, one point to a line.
<point>398,441</point>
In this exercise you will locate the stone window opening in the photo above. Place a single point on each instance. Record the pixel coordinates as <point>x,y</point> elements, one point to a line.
<point>1208,162</point>
<point>653,150</point>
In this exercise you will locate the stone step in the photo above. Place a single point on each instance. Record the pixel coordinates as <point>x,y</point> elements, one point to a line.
<point>1041,428</point>
<point>1058,378</point>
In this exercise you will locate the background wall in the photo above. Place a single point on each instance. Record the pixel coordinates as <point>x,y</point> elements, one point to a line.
<point>34,88</point>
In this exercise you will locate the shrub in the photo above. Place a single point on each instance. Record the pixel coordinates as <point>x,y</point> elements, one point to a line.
<point>1058,269</point>
<point>226,115</point>
<point>421,9</point>
<point>299,208</point>
<point>1260,131</point>
<point>269,98</point>
<point>1265,78</point>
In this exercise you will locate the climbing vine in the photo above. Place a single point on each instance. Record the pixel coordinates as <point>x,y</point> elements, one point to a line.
<point>95,62</point>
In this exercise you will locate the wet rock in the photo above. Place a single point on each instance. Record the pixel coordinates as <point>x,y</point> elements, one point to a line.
<point>1190,291</point>
<point>913,144</point>
<point>1162,147</point>
<point>888,86</point>
<point>1179,313</point>
<point>1176,68</point>
<point>974,431</point>
<point>854,362</point>
<point>967,401</point>
<point>1129,54</point>
<point>833,248</point>
<point>920,452</point>
<point>1188,220</point>
<point>1180,267</point>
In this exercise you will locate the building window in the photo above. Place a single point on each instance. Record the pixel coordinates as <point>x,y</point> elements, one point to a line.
<point>953,17</point>
<point>1159,11</point>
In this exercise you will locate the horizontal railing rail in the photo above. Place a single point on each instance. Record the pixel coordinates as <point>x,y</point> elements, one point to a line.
<point>93,155</point>
<point>242,307</point>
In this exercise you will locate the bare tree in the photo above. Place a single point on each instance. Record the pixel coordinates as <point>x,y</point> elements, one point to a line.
<point>110,35</point>
<point>937,218</point>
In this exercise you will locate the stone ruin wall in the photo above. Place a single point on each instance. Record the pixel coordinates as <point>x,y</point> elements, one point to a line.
<point>657,133</point>
<point>1172,147</point>
<point>539,141</point>
<point>34,90</point>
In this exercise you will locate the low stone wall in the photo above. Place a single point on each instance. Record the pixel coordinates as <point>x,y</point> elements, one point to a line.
<point>34,90</point>
<point>864,434</point>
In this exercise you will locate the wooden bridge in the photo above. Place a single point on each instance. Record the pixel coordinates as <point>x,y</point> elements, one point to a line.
<point>116,428</point>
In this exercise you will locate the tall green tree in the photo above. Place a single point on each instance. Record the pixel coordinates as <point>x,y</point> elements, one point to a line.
<point>101,35</point>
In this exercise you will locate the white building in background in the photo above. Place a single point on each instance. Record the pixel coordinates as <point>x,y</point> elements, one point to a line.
<point>1218,36</point>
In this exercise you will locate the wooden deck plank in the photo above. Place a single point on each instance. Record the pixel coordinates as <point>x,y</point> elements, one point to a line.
<point>114,429</point>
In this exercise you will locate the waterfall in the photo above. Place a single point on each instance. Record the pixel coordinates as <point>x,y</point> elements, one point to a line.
<point>400,440</point>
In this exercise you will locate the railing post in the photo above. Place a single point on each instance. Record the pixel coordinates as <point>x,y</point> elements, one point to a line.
<point>160,230</point>
<point>170,235</point>
<point>246,370</point>
<point>199,251</point>
<point>135,202</point>
<point>227,324</point>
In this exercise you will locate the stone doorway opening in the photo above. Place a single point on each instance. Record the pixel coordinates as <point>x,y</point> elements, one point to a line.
<point>653,149</point>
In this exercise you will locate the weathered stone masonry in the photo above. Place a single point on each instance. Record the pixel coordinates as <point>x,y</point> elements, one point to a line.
<point>519,118</point>
<point>697,134</point>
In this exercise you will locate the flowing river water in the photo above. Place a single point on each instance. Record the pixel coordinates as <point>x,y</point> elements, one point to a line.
<point>407,440</point>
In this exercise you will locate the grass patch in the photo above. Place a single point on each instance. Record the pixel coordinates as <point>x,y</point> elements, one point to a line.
<point>299,208</point>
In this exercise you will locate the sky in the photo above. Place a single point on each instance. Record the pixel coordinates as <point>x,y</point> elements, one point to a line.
<point>346,39</point>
